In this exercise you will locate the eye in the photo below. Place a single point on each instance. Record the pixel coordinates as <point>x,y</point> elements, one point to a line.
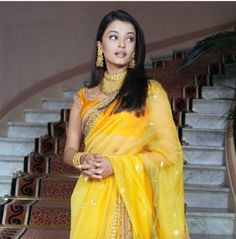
<point>113,37</point>
<point>130,39</point>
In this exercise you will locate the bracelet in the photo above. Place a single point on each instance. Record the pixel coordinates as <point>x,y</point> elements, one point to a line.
<point>76,159</point>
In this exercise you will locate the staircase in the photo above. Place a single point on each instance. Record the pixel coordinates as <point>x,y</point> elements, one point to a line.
<point>37,205</point>
<point>207,194</point>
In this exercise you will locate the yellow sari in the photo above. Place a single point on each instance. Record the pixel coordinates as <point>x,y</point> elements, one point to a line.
<point>144,199</point>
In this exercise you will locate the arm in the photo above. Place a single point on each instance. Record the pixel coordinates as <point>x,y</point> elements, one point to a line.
<point>74,134</point>
<point>90,167</point>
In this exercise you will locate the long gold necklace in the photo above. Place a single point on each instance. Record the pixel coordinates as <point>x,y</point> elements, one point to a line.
<point>111,83</point>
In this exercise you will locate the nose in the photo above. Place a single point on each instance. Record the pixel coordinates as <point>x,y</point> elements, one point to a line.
<point>121,44</point>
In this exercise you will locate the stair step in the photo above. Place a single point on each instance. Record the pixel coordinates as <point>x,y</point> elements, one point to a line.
<point>204,121</point>
<point>224,80</point>
<point>26,130</point>
<point>45,186</point>
<point>211,107</point>
<point>33,233</point>
<point>52,164</point>
<point>41,116</point>
<point>68,93</point>
<point>10,164</point>
<point>206,196</point>
<point>217,92</point>
<point>207,221</point>
<point>203,155</point>
<point>230,68</point>
<point>211,237</point>
<point>203,137</point>
<point>48,212</point>
<point>5,185</point>
<point>16,146</point>
<point>56,104</point>
<point>204,175</point>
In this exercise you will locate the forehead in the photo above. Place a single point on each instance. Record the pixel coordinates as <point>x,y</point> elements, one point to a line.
<point>120,27</point>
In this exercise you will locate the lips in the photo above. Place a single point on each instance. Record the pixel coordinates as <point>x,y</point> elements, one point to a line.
<point>120,54</point>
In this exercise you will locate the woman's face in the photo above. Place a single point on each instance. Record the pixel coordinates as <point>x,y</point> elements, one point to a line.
<point>118,45</point>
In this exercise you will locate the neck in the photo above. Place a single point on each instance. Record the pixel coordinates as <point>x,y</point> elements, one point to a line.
<point>116,70</point>
<point>111,83</point>
<point>115,76</point>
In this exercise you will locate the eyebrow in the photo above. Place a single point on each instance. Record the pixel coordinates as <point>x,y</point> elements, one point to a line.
<point>118,32</point>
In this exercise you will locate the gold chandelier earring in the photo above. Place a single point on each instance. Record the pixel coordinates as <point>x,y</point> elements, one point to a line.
<point>100,59</point>
<point>132,62</point>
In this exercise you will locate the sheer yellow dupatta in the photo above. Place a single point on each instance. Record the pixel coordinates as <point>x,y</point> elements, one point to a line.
<point>148,171</point>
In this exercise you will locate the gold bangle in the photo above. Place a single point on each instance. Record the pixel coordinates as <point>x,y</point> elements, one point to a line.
<point>76,159</point>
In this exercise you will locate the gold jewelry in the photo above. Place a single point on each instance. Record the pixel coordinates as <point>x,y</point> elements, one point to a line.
<point>111,83</point>
<point>132,62</point>
<point>77,159</point>
<point>100,59</point>
<point>115,77</point>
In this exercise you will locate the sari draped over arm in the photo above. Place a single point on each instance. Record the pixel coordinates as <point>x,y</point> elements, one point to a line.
<point>144,198</point>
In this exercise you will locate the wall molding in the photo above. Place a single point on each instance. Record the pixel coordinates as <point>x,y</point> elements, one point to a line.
<point>85,67</point>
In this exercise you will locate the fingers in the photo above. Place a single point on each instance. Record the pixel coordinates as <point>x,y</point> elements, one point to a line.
<point>93,173</point>
<point>94,166</point>
<point>92,159</point>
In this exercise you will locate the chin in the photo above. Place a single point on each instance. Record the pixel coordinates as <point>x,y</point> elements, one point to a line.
<point>118,63</point>
<point>121,63</point>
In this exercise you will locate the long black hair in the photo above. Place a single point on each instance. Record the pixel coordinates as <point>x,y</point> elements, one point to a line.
<point>133,93</point>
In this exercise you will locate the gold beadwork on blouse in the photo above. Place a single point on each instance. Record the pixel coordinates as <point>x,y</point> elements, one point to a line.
<point>92,114</point>
<point>109,86</point>
<point>77,100</point>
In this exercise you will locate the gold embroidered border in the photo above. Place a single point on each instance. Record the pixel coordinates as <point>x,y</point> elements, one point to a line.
<point>92,114</point>
<point>121,224</point>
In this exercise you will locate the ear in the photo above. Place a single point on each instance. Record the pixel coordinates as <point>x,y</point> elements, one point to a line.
<point>99,45</point>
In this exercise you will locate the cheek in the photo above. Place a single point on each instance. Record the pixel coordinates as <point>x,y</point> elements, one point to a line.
<point>107,47</point>
<point>131,51</point>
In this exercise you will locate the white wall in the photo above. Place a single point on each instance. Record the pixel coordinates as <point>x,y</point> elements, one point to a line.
<point>40,39</point>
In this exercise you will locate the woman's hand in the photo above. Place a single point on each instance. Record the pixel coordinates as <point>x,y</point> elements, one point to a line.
<point>95,166</point>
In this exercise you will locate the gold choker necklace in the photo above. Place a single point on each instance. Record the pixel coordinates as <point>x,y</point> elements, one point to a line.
<point>111,83</point>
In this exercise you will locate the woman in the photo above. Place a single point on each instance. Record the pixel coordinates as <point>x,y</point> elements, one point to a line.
<point>131,162</point>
